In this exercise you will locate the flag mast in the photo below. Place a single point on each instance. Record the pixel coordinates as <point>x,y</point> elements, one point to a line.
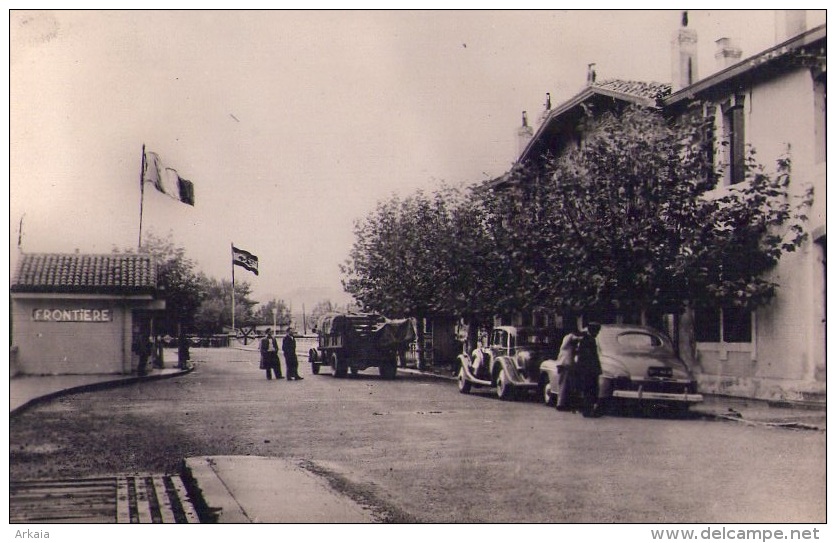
<point>141,194</point>
<point>232,253</point>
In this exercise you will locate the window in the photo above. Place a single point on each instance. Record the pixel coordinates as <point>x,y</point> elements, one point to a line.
<point>639,340</point>
<point>707,325</point>
<point>728,325</point>
<point>734,141</point>
<point>737,325</point>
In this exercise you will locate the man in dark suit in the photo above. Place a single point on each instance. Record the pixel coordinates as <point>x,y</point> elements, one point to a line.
<point>269,348</point>
<point>290,360</point>
<point>588,369</point>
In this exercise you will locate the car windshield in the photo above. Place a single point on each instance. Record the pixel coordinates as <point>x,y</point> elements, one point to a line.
<point>535,338</point>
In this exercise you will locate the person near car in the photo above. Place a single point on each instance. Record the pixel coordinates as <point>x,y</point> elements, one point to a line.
<point>588,370</point>
<point>290,360</point>
<point>269,348</point>
<point>567,381</point>
<point>479,357</point>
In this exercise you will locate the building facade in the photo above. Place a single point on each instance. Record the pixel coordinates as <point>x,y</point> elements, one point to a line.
<point>81,314</point>
<point>774,102</point>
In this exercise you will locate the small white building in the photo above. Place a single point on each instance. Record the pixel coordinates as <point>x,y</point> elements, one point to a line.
<point>81,314</point>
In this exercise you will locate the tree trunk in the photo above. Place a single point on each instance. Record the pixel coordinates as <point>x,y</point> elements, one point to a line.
<point>419,348</point>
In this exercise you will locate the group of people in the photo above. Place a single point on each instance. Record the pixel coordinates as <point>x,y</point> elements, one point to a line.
<point>581,370</point>
<point>269,348</point>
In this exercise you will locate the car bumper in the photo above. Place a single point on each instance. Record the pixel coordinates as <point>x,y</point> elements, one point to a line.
<point>657,396</point>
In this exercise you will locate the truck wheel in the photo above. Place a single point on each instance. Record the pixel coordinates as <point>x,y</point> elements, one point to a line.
<point>339,365</point>
<point>464,384</point>
<point>388,370</point>
<point>504,389</point>
<point>313,357</point>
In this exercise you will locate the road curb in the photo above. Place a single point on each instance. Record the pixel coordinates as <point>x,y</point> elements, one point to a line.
<point>202,481</point>
<point>89,387</point>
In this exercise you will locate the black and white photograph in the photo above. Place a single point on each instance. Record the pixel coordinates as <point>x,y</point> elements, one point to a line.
<point>489,273</point>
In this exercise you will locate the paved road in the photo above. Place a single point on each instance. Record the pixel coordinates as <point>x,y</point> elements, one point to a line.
<point>415,449</point>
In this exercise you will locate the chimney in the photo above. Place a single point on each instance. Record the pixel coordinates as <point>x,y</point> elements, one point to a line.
<point>590,73</point>
<point>728,53</point>
<point>524,134</point>
<point>684,56</point>
<point>789,23</point>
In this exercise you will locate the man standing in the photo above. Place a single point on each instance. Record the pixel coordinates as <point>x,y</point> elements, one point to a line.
<point>270,356</point>
<point>566,368</point>
<point>588,369</point>
<point>290,360</point>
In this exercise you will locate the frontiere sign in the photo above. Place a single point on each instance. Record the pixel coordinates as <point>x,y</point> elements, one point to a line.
<point>72,315</point>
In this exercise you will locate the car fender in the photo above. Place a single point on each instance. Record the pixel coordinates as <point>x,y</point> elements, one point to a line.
<point>507,363</point>
<point>611,368</point>
<point>551,368</point>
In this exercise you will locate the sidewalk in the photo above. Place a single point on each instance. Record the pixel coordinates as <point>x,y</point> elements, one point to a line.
<point>28,390</point>
<point>260,489</point>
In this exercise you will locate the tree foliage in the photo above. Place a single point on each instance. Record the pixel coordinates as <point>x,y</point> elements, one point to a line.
<point>177,278</point>
<point>215,311</point>
<point>264,313</point>
<point>631,219</point>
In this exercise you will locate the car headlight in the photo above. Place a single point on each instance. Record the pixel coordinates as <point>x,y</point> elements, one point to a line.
<point>523,357</point>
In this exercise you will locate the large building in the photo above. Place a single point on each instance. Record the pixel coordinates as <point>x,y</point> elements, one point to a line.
<point>775,102</point>
<point>81,314</point>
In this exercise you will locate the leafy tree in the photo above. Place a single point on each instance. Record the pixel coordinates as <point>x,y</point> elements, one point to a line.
<point>215,310</point>
<point>628,221</point>
<point>178,280</point>
<point>396,265</point>
<point>264,314</point>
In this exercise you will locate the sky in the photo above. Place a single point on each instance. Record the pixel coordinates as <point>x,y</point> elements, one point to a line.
<point>293,125</point>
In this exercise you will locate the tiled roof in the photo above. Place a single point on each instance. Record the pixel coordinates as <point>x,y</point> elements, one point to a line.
<point>80,273</point>
<point>644,89</point>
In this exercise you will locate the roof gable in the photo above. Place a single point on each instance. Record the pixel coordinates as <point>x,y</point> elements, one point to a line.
<point>630,92</point>
<point>82,273</point>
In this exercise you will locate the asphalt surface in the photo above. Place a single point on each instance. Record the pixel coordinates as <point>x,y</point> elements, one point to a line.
<point>415,450</point>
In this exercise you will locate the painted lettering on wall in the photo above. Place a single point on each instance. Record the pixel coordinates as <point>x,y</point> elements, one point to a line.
<point>72,315</point>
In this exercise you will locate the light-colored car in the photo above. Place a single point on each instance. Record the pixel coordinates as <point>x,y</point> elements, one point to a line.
<point>510,363</point>
<point>638,364</point>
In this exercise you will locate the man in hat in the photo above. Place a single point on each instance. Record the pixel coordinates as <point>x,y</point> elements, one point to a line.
<point>269,348</point>
<point>588,370</point>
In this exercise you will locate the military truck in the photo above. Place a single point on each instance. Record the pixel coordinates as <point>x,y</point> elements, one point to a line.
<point>352,342</point>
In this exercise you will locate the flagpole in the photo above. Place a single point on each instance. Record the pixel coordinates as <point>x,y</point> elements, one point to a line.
<point>232,253</point>
<point>141,195</point>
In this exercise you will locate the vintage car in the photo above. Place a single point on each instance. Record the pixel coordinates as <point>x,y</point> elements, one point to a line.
<point>638,364</point>
<point>510,363</point>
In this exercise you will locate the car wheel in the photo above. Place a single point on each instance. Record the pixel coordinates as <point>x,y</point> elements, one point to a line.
<point>313,357</point>
<point>549,397</point>
<point>464,384</point>
<point>504,389</point>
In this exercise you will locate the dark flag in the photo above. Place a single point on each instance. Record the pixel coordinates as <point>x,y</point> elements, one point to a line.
<point>245,259</point>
